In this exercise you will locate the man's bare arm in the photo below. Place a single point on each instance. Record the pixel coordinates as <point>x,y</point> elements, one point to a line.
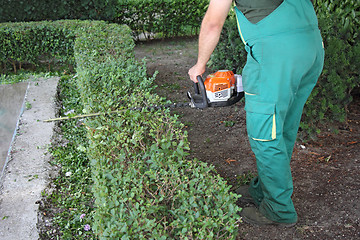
<point>210,31</point>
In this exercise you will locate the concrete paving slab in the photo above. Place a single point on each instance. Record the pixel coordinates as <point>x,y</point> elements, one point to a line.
<point>27,170</point>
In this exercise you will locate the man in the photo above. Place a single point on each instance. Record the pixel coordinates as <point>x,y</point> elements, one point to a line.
<point>285,58</point>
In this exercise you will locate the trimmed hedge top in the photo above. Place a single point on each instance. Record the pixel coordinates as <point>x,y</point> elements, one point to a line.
<point>145,187</point>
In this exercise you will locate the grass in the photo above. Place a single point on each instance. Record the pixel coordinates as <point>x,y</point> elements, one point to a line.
<point>229,123</point>
<point>245,178</point>
<point>25,76</point>
<point>171,86</point>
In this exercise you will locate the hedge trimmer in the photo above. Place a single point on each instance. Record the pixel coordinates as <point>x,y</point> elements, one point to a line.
<point>219,89</point>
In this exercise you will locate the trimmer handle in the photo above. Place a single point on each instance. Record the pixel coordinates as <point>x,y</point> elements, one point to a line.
<point>196,87</point>
<point>199,100</point>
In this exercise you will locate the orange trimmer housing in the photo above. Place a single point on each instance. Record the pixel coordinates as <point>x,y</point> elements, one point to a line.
<point>218,90</point>
<point>221,80</point>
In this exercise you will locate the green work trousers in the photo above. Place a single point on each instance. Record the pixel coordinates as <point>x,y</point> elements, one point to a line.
<point>285,58</point>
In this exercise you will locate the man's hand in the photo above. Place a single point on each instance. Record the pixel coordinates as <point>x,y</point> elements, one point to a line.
<point>196,71</point>
<point>210,31</point>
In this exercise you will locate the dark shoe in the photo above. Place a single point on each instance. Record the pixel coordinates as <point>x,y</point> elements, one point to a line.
<point>253,216</point>
<point>245,195</point>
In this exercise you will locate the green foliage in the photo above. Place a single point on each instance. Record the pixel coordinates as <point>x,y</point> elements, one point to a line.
<point>39,10</point>
<point>135,163</point>
<point>245,178</point>
<point>98,41</point>
<point>72,199</point>
<point>146,189</point>
<point>342,18</point>
<point>327,104</point>
<point>25,76</point>
<point>339,24</point>
<point>53,42</point>
<point>32,43</point>
<point>167,17</point>
<point>144,186</point>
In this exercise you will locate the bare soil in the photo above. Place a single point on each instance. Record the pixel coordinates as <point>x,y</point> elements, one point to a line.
<point>325,171</point>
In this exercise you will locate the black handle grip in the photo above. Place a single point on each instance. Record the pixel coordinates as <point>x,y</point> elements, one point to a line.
<point>200,85</point>
<point>196,88</point>
<point>200,98</point>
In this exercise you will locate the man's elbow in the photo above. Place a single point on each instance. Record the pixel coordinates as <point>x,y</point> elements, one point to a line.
<point>212,26</point>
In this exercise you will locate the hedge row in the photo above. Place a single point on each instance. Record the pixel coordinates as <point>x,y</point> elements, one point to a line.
<point>339,24</point>
<point>31,43</point>
<point>52,42</point>
<point>165,17</point>
<point>39,10</point>
<point>144,185</point>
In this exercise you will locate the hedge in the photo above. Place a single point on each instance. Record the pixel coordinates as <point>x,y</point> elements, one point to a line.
<point>145,187</point>
<point>143,182</point>
<point>30,43</point>
<point>166,17</point>
<point>163,17</point>
<point>39,10</point>
<point>53,42</point>
<point>339,24</point>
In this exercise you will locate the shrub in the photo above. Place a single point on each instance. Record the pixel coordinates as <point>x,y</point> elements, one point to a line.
<point>328,102</point>
<point>39,10</point>
<point>165,17</point>
<point>143,183</point>
<point>145,187</point>
<point>230,52</point>
<point>31,43</point>
<point>161,17</point>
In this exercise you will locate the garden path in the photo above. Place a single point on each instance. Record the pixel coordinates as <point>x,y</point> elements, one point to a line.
<point>27,170</point>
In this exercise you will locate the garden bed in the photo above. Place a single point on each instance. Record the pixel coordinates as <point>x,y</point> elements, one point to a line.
<point>325,171</point>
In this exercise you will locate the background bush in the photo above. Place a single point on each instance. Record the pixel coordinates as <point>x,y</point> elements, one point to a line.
<point>32,43</point>
<point>39,10</point>
<point>166,17</point>
<point>339,24</point>
<point>148,17</point>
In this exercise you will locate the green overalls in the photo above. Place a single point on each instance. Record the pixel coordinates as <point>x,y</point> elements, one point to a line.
<point>285,58</point>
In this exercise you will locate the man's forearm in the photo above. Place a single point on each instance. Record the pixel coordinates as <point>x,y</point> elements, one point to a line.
<point>211,28</point>
<point>208,39</point>
<point>210,31</point>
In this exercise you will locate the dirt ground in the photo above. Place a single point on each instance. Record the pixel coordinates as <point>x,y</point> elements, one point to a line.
<point>325,171</point>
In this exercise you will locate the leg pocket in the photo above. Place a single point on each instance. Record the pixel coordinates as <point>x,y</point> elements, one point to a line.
<point>260,120</point>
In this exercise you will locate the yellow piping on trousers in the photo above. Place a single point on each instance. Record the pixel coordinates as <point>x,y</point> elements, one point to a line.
<point>242,38</point>
<point>273,132</point>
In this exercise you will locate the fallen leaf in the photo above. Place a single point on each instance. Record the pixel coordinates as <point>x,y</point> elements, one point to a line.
<point>230,160</point>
